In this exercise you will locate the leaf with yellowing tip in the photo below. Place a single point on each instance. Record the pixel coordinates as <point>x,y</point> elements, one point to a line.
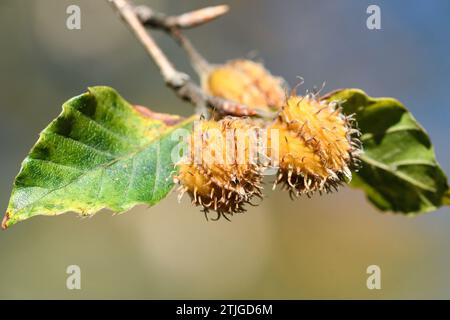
<point>100,152</point>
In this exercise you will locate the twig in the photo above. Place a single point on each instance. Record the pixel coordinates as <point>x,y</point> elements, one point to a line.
<point>176,80</point>
<point>173,24</point>
<point>184,21</point>
<point>200,64</point>
<point>166,68</point>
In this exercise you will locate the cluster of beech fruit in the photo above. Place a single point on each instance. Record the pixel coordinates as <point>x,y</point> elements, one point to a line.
<point>103,152</point>
<point>313,145</point>
<point>311,142</point>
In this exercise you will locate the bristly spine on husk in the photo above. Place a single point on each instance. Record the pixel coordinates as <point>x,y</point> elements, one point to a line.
<point>225,186</point>
<point>318,145</point>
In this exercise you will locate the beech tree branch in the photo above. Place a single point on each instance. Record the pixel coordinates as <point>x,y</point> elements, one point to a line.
<point>173,24</point>
<point>178,81</point>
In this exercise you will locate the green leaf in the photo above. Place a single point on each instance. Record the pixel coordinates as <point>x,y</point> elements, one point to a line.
<point>399,169</point>
<point>446,198</point>
<point>100,152</point>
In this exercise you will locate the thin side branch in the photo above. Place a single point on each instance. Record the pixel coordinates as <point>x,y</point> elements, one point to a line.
<point>180,82</point>
<point>173,24</point>
<point>184,21</point>
<point>128,15</point>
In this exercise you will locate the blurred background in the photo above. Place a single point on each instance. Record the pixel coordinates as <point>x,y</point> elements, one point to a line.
<point>309,248</point>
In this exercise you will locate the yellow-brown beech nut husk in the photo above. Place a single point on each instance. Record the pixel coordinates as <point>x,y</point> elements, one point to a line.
<point>246,82</point>
<point>220,172</point>
<point>318,145</point>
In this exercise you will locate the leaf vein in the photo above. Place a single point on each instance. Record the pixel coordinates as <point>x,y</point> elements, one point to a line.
<point>400,175</point>
<point>103,127</point>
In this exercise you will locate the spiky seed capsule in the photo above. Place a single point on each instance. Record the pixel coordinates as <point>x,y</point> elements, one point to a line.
<point>317,145</point>
<point>246,82</point>
<point>220,172</point>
